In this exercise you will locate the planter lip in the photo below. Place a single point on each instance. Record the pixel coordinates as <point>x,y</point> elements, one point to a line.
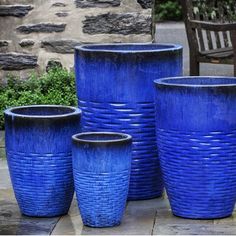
<point>74,111</point>
<point>173,82</point>
<point>122,138</point>
<point>166,47</point>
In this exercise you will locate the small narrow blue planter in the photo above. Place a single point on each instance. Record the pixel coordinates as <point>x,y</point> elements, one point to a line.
<point>196,129</point>
<point>39,155</point>
<point>115,93</point>
<point>101,167</point>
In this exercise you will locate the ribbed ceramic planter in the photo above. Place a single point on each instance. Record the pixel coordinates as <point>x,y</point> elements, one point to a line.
<point>196,129</point>
<point>39,155</point>
<point>115,92</point>
<point>101,167</point>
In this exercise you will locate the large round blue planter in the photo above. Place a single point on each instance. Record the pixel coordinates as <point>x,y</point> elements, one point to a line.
<point>39,156</point>
<point>101,167</point>
<point>115,92</point>
<point>196,130</point>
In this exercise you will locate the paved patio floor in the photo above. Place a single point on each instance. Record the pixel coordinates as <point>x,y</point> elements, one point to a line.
<point>152,217</point>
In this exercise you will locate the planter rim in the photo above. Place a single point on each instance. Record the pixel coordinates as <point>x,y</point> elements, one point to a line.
<point>78,138</point>
<point>173,82</point>
<point>95,48</point>
<point>74,111</point>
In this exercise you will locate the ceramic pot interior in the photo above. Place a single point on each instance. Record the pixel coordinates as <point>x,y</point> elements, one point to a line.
<point>42,110</point>
<point>199,81</point>
<point>129,47</point>
<point>101,137</point>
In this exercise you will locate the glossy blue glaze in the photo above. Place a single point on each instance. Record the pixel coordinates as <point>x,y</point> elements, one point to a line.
<point>39,156</point>
<point>196,131</point>
<point>115,92</point>
<point>101,167</point>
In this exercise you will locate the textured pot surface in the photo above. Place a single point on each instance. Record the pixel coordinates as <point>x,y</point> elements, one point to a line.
<point>196,130</point>
<point>101,167</point>
<point>39,155</point>
<point>116,93</point>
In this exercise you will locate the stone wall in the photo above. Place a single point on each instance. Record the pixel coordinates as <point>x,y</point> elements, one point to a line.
<point>35,33</point>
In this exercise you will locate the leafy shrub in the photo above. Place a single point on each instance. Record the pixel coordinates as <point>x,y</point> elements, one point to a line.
<point>168,10</point>
<point>55,87</point>
<point>212,9</point>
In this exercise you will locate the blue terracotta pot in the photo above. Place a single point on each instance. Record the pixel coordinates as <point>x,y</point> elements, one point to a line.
<point>196,130</point>
<point>115,92</point>
<point>39,155</point>
<point>101,167</point>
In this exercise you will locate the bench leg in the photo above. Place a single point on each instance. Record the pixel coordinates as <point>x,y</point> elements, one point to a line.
<point>194,66</point>
<point>235,67</point>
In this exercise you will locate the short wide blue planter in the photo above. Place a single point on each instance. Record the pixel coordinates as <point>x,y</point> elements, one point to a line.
<point>39,156</point>
<point>101,167</point>
<point>115,92</point>
<point>196,129</point>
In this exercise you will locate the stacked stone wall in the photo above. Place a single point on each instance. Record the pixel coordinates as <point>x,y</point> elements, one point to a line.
<point>34,33</point>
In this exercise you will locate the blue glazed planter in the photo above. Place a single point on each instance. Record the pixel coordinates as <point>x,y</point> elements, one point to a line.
<point>101,167</point>
<point>196,130</point>
<point>115,93</point>
<point>39,156</point>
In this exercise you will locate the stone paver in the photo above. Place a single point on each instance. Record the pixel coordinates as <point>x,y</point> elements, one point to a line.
<point>2,145</point>
<point>195,229</point>
<point>69,225</point>
<point>5,182</point>
<point>2,139</point>
<point>168,224</point>
<point>11,221</point>
<point>138,219</point>
<point>141,217</point>
<point>27,226</point>
<point>2,153</point>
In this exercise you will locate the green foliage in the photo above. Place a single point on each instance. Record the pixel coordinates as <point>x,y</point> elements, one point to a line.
<point>55,87</point>
<point>211,7</point>
<point>168,10</point>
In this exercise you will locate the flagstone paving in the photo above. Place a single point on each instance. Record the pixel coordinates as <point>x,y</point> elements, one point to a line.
<point>2,144</point>
<point>141,217</point>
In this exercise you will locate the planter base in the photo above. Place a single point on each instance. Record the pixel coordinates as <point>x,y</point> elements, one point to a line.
<point>45,215</point>
<point>103,226</point>
<point>158,195</point>
<point>213,217</point>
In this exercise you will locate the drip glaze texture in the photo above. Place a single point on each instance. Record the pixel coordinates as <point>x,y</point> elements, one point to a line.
<point>115,92</point>
<point>39,156</point>
<point>196,136</point>
<point>101,175</point>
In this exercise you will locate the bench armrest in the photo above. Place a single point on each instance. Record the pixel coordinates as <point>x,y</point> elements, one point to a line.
<point>211,26</point>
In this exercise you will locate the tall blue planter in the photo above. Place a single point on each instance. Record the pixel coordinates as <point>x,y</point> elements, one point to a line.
<point>39,156</point>
<point>115,92</point>
<point>101,167</point>
<point>196,130</point>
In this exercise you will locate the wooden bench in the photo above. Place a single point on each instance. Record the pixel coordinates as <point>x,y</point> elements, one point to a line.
<point>211,32</point>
